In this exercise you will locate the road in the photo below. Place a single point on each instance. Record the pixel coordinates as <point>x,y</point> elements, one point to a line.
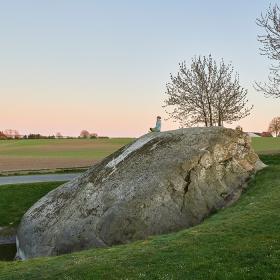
<point>7,180</point>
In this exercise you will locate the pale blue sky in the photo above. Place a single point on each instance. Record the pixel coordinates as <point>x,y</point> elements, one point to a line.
<point>103,65</point>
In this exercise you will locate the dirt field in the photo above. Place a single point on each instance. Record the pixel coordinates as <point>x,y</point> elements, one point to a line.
<point>55,153</point>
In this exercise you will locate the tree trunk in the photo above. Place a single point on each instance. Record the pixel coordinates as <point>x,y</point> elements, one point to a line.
<point>210,111</point>
<point>219,119</point>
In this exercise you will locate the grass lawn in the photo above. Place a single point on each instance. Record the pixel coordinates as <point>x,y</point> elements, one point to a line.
<point>15,200</point>
<point>240,242</point>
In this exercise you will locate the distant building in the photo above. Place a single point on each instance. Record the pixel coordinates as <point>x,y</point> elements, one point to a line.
<point>266,134</point>
<point>253,134</point>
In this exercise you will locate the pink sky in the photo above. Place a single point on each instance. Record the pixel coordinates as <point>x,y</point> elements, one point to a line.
<point>131,117</point>
<point>102,66</point>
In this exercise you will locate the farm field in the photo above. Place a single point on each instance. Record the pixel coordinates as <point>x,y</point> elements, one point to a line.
<point>266,145</point>
<point>55,153</point>
<point>73,153</point>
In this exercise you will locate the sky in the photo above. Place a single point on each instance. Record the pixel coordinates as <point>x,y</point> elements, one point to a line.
<point>68,65</point>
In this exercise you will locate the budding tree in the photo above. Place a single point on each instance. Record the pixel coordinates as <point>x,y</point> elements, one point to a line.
<point>270,41</point>
<point>274,126</point>
<point>206,93</point>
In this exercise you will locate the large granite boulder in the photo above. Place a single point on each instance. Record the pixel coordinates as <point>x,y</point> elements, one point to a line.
<point>162,182</point>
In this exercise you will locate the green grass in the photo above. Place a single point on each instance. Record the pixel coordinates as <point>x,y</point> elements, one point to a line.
<point>15,200</point>
<point>266,145</point>
<point>240,242</point>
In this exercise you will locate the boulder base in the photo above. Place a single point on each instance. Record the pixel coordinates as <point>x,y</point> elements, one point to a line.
<point>162,182</point>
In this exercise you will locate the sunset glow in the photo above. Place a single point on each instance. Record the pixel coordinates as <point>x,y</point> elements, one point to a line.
<point>102,66</point>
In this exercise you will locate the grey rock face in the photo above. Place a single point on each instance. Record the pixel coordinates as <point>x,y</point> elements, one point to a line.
<point>160,183</point>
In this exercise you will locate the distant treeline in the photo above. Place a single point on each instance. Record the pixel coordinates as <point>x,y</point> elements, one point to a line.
<point>4,136</point>
<point>37,136</point>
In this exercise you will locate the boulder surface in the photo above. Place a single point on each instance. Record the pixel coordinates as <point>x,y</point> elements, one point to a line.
<point>162,182</point>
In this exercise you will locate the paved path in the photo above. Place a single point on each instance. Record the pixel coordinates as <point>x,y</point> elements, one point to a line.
<point>6,180</point>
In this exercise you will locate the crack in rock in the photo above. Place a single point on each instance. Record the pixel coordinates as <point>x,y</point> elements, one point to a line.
<point>188,181</point>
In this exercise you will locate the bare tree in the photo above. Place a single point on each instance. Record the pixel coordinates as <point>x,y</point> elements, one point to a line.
<point>2,136</point>
<point>274,126</point>
<point>207,93</point>
<point>270,41</point>
<point>58,135</point>
<point>84,134</point>
<point>12,133</point>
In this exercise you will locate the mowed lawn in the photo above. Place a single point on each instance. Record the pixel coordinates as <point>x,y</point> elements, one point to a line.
<point>15,200</point>
<point>55,153</point>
